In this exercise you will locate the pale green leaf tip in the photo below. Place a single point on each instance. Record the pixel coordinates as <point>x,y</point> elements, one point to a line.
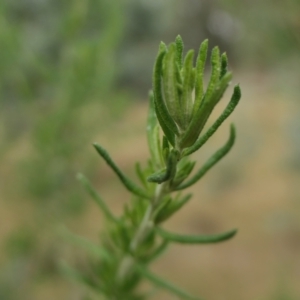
<point>162,47</point>
<point>204,45</point>
<point>224,54</point>
<point>179,40</point>
<point>215,48</point>
<point>190,54</point>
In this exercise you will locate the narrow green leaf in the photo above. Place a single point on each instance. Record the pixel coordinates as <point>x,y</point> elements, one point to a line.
<point>158,251</point>
<point>218,155</point>
<point>215,72</point>
<point>170,170</point>
<point>224,64</point>
<point>200,65</point>
<point>196,239</point>
<point>166,122</point>
<point>182,173</point>
<point>202,115</point>
<point>188,86</point>
<point>130,185</point>
<point>166,149</point>
<point>78,277</point>
<point>226,113</point>
<point>179,50</point>
<point>169,81</point>
<point>95,250</point>
<point>161,206</point>
<point>101,203</point>
<point>220,89</point>
<point>163,47</point>
<point>164,284</point>
<point>140,174</point>
<point>153,133</point>
<point>171,208</point>
<point>158,176</point>
<point>168,133</point>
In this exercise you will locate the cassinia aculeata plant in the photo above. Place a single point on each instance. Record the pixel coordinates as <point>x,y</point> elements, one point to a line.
<point>179,110</point>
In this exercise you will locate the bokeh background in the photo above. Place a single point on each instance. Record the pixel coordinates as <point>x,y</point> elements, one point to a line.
<point>73,72</point>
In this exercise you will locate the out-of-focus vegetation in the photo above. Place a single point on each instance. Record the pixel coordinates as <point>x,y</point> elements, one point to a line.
<point>68,72</point>
<point>58,63</point>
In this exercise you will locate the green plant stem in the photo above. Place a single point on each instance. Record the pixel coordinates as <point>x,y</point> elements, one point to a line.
<point>127,264</point>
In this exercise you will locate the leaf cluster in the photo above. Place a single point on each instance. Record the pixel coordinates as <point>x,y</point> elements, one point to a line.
<point>179,110</point>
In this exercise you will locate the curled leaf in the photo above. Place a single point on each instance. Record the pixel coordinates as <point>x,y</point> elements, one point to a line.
<point>196,239</point>
<point>169,172</point>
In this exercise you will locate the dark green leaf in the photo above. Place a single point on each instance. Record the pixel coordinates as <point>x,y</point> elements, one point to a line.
<point>224,64</point>
<point>168,133</point>
<point>166,122</point>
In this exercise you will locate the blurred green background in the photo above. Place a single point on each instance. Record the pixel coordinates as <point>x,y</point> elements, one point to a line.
<point>73,72</point>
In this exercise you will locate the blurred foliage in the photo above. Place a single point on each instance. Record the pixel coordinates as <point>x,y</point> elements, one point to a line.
<point>58,60</point>
<point>268,30</point>
<point>58,57</point>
